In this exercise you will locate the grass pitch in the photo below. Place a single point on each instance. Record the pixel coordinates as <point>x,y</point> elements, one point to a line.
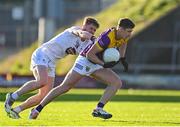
<point>129,108</point>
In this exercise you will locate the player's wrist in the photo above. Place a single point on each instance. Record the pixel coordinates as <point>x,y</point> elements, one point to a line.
<point>122,58</point>
<point>102,64</point>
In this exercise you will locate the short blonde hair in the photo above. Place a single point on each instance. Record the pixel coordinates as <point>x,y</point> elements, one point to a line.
<point>91,20</point>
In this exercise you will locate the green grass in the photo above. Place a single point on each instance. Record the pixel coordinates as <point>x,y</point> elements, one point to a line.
<point>129,108</point>
<point>143,13</point>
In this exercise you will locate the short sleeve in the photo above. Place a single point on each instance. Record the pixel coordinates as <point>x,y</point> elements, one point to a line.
<point>103,41</point>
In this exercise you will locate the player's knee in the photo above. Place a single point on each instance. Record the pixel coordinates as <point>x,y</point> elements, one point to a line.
<point>41,82</point>
<point>67,87</point>
<point>118,83</point>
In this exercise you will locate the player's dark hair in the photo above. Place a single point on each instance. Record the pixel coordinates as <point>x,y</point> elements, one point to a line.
<point>126,23</point>
<point>91,20</point>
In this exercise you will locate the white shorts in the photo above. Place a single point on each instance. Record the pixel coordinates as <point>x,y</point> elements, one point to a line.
<point>84,67</point>
<point>39,58</point>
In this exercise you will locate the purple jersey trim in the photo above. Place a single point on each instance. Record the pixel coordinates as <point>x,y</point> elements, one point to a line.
<point>104,40</point>
<point>86,49</point>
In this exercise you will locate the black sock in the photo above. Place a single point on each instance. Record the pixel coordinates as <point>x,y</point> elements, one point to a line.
<point>100,105</point>
<point>39,108</point>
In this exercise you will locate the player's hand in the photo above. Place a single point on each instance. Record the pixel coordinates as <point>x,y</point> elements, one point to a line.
<point>71,51</point>
<point>110,64</point>
<point>124,63</point>
<point>85,35</point>
<point>93,38</point>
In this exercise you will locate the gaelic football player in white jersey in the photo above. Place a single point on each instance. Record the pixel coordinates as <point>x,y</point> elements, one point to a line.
<point>43,60</point>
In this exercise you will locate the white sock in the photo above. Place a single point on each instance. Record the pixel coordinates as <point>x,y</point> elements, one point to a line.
<point>17,109</point>
<point>15,96</point>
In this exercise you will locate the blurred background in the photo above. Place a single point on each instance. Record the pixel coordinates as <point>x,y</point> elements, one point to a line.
<point>153,51</point>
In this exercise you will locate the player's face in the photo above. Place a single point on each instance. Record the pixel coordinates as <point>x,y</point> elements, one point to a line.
<point>125,33</point>
<point>90,28</point>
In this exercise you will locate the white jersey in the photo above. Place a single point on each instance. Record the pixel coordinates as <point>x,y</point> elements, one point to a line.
<point>57,46</point>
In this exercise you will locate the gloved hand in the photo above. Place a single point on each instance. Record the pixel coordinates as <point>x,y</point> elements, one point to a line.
<point>110,64</point>
<point>124,63</point>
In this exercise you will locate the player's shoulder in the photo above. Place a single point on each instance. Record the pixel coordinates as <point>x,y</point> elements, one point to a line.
<point>72,29</point>
<point>108,31</point>
<point>75,28</point>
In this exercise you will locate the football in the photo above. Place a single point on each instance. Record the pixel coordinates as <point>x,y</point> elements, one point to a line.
<point>111,54</point>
